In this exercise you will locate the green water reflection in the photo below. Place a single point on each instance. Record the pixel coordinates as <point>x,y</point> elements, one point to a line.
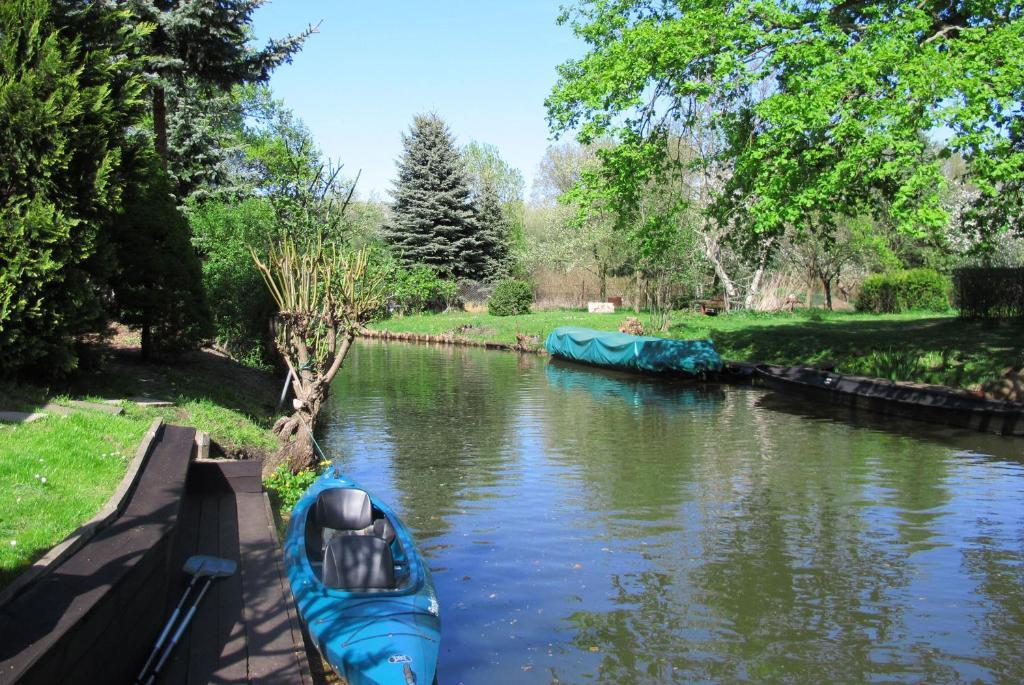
<point>586,526</point>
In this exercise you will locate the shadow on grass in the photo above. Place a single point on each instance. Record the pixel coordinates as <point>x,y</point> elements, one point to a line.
<point>200,375</point>
<point>940,350</point>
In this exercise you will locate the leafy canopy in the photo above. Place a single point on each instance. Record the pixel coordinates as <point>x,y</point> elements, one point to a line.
<point>818,108</point>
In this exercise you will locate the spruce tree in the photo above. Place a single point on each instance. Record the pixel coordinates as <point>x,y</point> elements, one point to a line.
<point>494,233</point>
<point>433,220</point>
<point>200,48</point>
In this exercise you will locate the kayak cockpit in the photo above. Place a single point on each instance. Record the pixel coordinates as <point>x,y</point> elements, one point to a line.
<point>351,544</point>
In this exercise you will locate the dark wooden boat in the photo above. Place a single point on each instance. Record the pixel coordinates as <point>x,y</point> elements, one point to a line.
<point>932,403</point>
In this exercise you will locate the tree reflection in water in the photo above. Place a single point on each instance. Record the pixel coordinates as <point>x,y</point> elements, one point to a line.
<point>589,526</point>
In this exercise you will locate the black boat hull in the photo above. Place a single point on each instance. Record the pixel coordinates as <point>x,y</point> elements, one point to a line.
<point>922,403</point>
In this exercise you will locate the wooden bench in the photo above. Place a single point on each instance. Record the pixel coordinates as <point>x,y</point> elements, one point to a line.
<point>709,307</point>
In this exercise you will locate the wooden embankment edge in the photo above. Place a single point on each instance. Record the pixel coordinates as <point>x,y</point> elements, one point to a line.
<point>447,339</point>
<point>84,533</point>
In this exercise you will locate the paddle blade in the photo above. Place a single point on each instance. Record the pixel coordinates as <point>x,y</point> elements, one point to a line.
<point>204,566</point>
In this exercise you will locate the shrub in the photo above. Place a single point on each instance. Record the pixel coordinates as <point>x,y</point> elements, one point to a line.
<point>510,298</point>
<point>286,488</point>
<point>420,288</point>
<point>902,291</point>
<point>157,284</point>
<point>990,292</point>
<point>225,233</point>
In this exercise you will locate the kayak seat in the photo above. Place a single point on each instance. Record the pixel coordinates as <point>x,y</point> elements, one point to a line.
<point>337,511</point>
<point>344,509</point>
<point>383,529</point>
<point>358,562</point>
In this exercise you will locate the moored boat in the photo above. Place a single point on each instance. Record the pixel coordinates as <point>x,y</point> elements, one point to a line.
<point>361,587</point>
<point>691,358</point>
<point>931,403</point>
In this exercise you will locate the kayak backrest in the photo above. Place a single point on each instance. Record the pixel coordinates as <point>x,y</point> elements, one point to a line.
<point>343,509</point>
<point>358,562</point>
<point>383,529</point>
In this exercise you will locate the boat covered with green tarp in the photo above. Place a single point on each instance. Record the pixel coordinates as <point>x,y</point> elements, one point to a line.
<point>634,352</point>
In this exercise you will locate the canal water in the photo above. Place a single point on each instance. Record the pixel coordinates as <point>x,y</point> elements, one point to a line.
<point>584,526</point>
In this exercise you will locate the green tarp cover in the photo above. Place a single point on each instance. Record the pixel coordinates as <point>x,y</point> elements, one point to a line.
<point>633,352</point>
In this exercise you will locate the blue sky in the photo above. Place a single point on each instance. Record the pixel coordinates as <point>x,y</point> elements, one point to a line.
<point>485,66</point>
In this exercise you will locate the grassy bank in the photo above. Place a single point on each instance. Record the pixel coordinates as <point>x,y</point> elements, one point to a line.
<point>55,474</point>
<point>926,347</point>
<point>83,457</point>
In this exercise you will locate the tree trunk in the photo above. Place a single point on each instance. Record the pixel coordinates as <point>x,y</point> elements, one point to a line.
<point>160,122</point>
<point>714,254</point>
<point>146,341</point>
<point>755,282</point>
<point>295,445</point>
<point>826,283</point>
<point>602,275</point>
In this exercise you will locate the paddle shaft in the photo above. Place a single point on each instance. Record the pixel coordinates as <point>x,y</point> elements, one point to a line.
<point>180,631</point>
<point>167,628</point>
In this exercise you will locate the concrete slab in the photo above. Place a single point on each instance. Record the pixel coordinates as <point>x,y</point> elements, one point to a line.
<point>20,416</point>
<point>97,406</point>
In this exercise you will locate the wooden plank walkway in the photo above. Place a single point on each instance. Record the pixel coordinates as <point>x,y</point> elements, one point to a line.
<point>246,629</point>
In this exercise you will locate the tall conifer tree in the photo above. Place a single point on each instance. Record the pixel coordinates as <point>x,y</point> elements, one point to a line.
<point>200,48</point>
<point>494,232</point>
<point>433,221</point>
<point>68,94</point>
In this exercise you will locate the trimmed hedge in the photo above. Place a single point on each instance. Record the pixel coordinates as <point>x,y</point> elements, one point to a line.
<point>983,292</point>
<point>901,291</point>
<point>510,298</point>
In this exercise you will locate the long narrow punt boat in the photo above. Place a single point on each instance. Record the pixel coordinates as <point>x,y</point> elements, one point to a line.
<point>931,403</point>
<point>691,358</point>
<point>361,587</point>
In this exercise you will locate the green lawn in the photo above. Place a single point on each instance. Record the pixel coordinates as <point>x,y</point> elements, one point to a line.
<point>926,347</point>
<point>84,456</point>
<point>55,474</point>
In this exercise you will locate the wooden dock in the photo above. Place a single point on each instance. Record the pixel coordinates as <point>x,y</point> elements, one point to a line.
<point>95,617</point>
<point>246,629</point>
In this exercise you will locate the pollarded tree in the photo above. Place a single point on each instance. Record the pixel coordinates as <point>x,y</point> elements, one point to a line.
<point>324,293</point>
<point>433,221</point>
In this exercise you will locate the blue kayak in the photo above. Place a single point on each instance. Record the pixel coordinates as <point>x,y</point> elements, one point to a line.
<point>361,587</point>
<point>634,352</point>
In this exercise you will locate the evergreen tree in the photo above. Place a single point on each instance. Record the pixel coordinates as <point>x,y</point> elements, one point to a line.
<point>494,233</point>
<point>68,93</point>
<point>158,283</point>
<point>199,48</point>
<point>200,134</point>
<point>433,221</point>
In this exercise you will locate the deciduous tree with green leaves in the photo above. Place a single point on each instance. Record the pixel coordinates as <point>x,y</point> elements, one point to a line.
<point>821,108</point>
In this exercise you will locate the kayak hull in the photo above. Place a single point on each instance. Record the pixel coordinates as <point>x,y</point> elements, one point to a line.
<point>371,637</point>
